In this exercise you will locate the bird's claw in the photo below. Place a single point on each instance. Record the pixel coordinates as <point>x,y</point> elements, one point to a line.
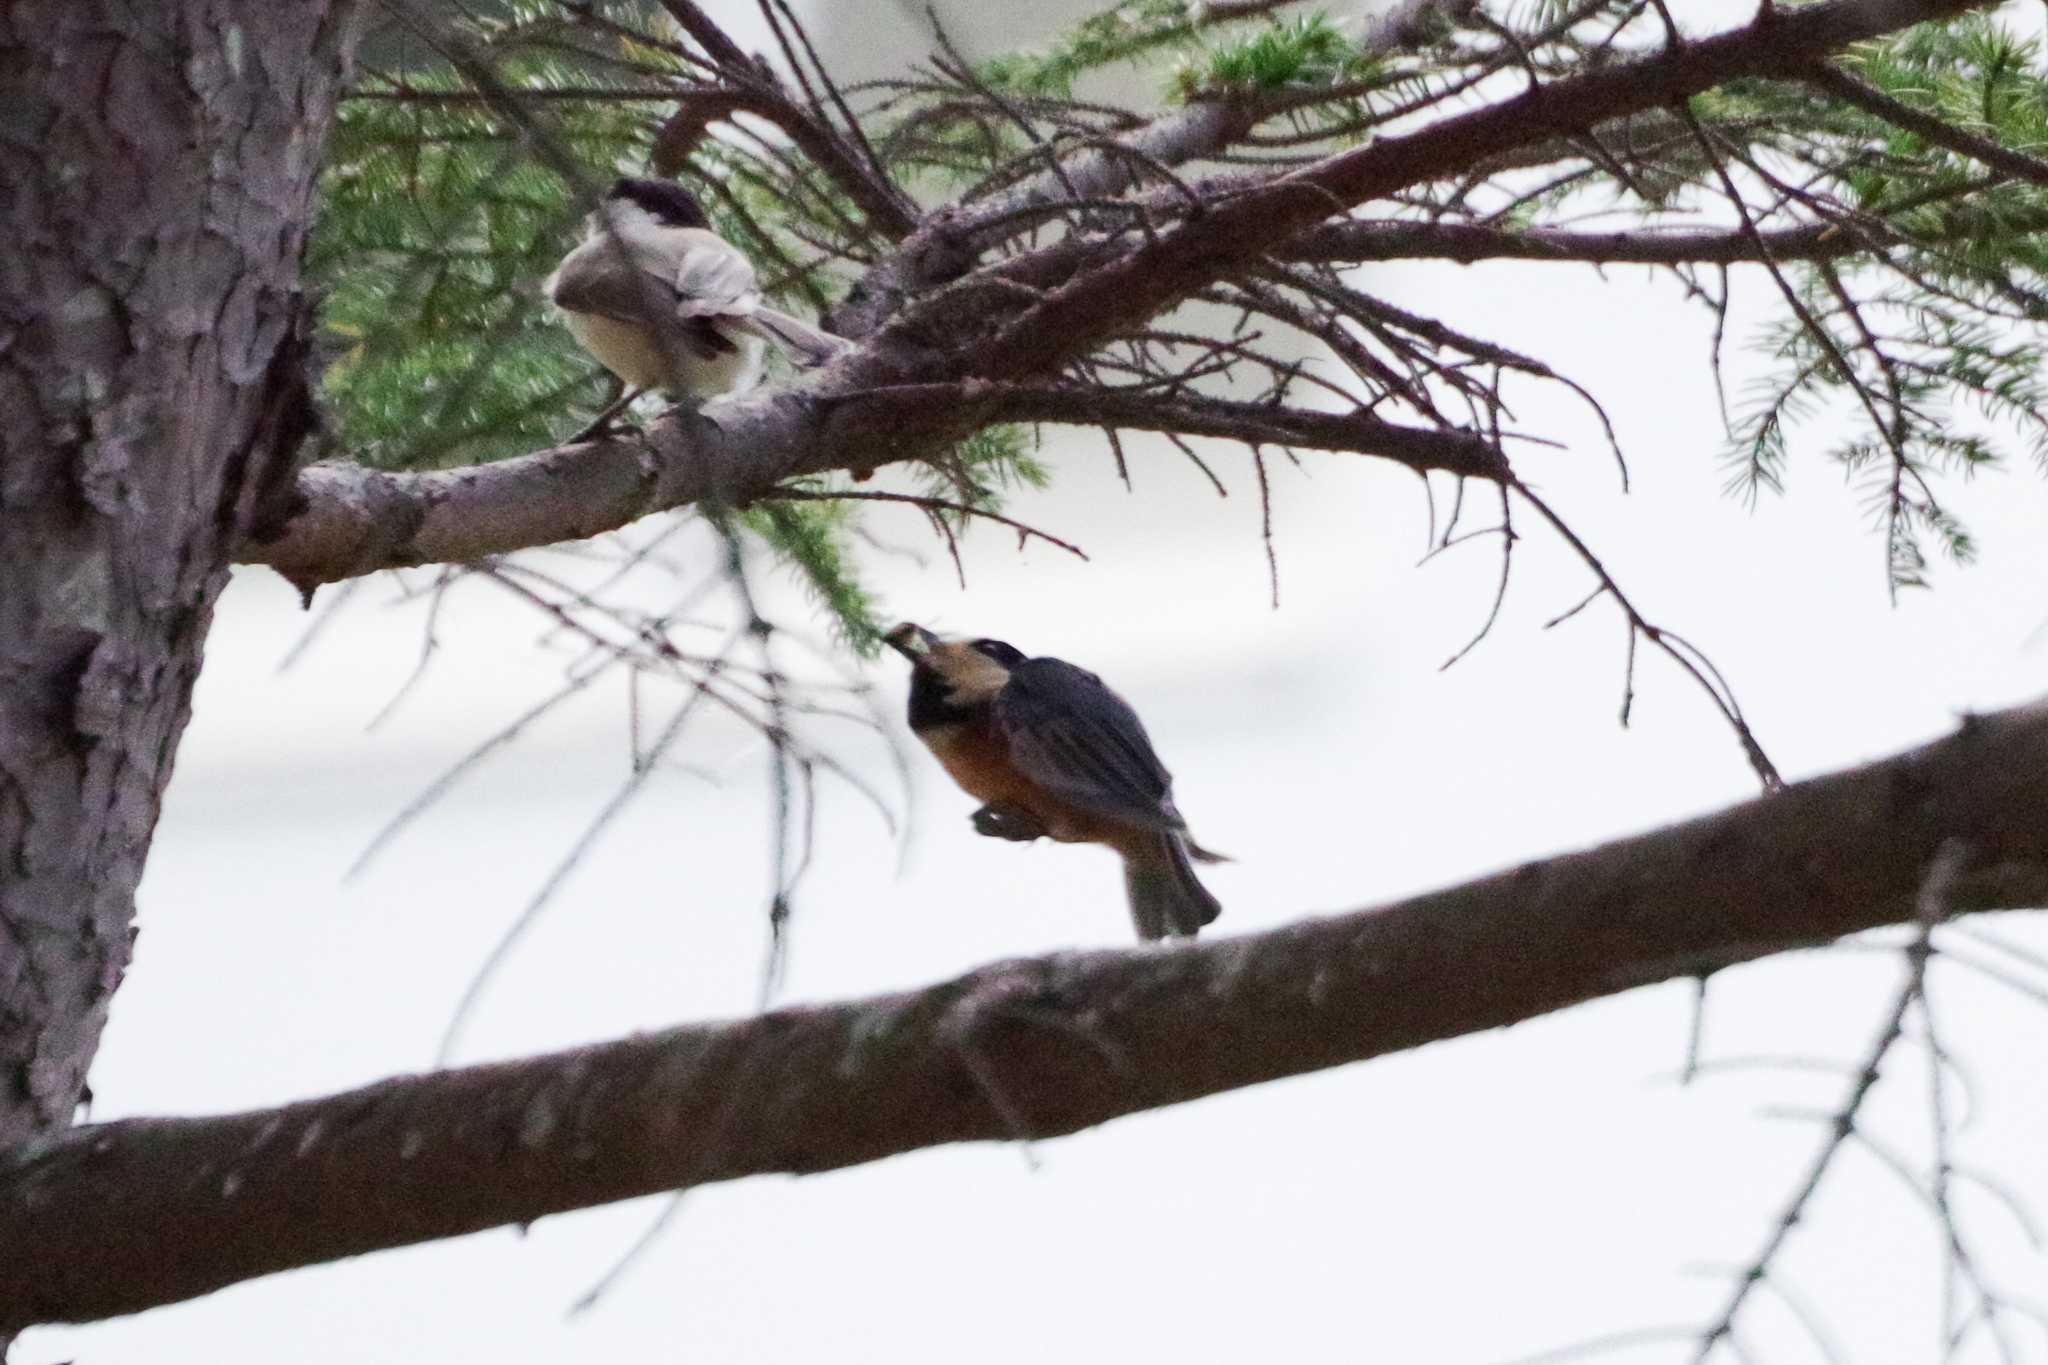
<point>604,428</point>
<point>609,422</point>
<point>997,820</point>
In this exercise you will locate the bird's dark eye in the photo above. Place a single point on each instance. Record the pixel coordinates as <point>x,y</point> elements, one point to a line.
<point>1004,654</point>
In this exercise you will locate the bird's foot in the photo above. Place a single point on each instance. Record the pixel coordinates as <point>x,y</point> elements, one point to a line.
<point>1000,820</point>
<point>607,422</point>
<point>603,429</point>
<point>697,406</point>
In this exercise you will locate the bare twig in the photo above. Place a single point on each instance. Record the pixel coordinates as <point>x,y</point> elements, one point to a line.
<point>1932,905</point>
<point>927,504</point>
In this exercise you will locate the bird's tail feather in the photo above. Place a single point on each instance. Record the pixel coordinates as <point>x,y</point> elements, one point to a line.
<point>1166,897</point>
<point>795,338</point>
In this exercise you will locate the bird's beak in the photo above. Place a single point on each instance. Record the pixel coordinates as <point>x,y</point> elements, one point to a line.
<point>910,640</point>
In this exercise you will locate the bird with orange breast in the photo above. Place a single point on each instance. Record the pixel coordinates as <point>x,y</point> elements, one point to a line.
<point>1053,753</point>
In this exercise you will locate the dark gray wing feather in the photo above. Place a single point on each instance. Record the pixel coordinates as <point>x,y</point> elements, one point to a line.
<point>1082,742</point>
<point>593,279</point>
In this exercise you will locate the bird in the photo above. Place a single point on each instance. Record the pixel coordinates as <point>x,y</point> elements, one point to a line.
<point>1054,753</point>
<point>657,297</point>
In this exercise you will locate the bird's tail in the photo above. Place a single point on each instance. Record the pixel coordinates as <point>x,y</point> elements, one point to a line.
<point>1165,896</point>
<point>795,338</point>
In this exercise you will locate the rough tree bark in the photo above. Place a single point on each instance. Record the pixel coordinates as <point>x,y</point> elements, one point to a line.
<point>157,166</point>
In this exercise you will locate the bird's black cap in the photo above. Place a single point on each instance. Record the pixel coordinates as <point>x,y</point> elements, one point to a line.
<point>669,202</point>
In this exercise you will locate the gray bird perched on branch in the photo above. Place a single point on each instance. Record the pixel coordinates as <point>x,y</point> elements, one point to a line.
<point>664,302</point>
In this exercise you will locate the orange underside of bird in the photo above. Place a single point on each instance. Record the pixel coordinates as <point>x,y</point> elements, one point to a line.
<point>1053,753</point>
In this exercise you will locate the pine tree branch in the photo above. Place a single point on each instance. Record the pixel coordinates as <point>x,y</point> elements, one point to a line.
<point>1067,299</point>
<point>745,85</point>
<point>1408,23</point>
<point>117,1217</point>
<point>350,520</point>
<point>1938,131</point>
<point>883,205</point>
<point>706,33</point>
<point>1354,241</point>
<point>955,237</point>
<point>1118,296</point>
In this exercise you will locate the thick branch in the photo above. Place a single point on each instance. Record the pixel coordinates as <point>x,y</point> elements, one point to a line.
<point>123,1216</point>
<point>350,520</point>
<point>1350,241</point>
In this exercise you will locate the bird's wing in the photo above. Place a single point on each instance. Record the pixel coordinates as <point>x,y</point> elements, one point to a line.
<point>1083,743</point>
<point>592,279</point>
<point>713,279</point>
<point>699,276</point>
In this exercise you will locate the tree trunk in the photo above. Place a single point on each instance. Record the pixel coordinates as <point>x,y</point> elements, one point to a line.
<point>157,164</point>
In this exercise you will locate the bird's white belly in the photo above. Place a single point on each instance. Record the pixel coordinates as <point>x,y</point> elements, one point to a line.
<point>629,352</point>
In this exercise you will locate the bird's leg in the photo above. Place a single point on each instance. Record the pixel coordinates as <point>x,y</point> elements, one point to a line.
<point>605,419</point>
<point>691,405</point>
<point>1001,820</point>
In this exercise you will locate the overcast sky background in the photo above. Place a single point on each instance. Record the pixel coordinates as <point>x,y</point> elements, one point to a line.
<point>1471,1201</point>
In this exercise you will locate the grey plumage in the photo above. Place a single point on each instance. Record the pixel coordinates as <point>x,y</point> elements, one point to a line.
<point>1165,895</point>
<point>797,339</point>
<point>664,302</point>
<point>1081,742</point>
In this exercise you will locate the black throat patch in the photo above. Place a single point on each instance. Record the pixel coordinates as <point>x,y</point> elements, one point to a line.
<point>931,705</point>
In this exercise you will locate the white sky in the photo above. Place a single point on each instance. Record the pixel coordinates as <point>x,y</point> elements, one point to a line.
<point>1472,1201</point>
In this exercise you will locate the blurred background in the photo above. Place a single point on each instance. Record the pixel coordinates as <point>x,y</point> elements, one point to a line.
<point>1473,1201</point>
